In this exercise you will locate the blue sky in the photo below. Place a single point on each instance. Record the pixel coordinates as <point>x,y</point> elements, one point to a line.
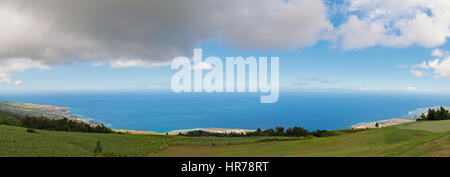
<point>355,48</point>
<point>375,68</point>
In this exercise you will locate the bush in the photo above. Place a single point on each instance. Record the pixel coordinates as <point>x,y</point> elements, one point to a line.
<point>31,130</point>
<point>98,148</point>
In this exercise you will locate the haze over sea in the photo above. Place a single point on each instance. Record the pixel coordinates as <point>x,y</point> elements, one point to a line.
<point>163,112</point>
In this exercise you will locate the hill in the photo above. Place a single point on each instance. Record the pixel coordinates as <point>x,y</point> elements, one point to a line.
<point>430,138</point>
<point>426,138</point>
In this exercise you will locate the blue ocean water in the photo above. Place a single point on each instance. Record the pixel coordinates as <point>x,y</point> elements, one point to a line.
<point>164,112</point>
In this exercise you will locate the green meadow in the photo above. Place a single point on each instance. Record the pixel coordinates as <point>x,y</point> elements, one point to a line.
<point>425,138</point>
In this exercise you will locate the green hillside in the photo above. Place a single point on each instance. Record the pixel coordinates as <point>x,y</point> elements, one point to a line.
<point>16,141</point>
<point>7,118</point>
<point>426,138</point>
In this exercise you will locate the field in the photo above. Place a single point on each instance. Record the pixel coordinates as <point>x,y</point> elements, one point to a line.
<point>427,138</point>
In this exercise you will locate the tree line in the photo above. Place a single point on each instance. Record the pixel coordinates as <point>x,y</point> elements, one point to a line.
<point>62,125</point>
<point>438,114</point>
<point>278,131</point>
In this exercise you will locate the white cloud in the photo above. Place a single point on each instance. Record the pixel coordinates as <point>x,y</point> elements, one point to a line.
<point>202,66</point>
<point>411,89</point>
<point>441,67</point>
<point>18,82</point>
<point>422,65</point>
<point>17,65</point>
<point>370,89</point>
<point>97,64</point>
<point>154,86</point>
<point>402,66</point>
<point>437,53</point>
<point>135,63</point>
<point>438,68</point>
<point>357,34</point>
<point>416,73</point>
<point>395,23</point>
<point>129,87</point>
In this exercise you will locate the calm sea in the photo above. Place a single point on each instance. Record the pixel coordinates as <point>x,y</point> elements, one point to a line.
<point>164,112</point>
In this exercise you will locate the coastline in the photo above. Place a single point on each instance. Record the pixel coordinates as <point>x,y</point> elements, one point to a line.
<point>382,123</point>
<point>40,110</point>
<point>137,132</point>
<point>364,125</point>
<point>56,112</point>
<point>415,114</point>
<point>212,130</point>
<point>176,132</point>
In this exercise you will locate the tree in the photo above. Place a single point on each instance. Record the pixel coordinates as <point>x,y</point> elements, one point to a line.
<point>431,114</point>
<point>377,125</point>
<point>258,132</point>
<point>442,114</point>
<point>280,131</point>
<point>435,114</point>
<point>422,117</point>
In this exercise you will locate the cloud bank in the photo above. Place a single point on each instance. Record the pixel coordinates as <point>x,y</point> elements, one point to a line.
<point>17,65</point>
<point>393,23</point>
<point>439,67</point>
<point>54,31</point>
<point>140,33</point>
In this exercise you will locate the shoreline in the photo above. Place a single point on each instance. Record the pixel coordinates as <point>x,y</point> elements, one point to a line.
<point>41,110</point>
<point>212,130</point>
<point>382,123</point>
<point>137,132</point>
<point>176,132</point>
<point>60,112</point>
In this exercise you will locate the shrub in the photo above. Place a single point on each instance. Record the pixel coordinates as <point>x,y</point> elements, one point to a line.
<point>98,148</point>
<point>31,130</point>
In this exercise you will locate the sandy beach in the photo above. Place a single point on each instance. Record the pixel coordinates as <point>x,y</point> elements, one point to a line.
<point>137,132</point>
<point>212,130</point>
<point>176,132</point>
<point>382,123</point>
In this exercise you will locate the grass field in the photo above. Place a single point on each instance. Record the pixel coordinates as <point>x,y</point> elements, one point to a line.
<point>430,138</point>
<point>16,141</point>
<point>433,126</point>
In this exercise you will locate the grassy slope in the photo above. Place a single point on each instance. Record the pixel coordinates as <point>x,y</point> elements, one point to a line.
<point>415,139</point>
<point>434,126</point>
<point>7,118</point>
<point>406,140</point>
<point>16,141</point>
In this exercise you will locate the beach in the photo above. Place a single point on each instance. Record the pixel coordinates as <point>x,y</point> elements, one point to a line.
<point>382,123</point>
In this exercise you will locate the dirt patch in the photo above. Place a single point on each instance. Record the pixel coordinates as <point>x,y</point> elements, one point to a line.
<point>442,151</point>
<point>438,148</point>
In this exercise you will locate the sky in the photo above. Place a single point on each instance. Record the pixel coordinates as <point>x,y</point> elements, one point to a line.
<point>101,45</point>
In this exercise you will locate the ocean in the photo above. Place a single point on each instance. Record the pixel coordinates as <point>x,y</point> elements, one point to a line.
<point>163,112</point>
